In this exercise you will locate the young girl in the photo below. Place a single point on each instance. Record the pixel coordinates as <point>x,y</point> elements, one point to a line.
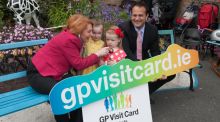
<point>114,36</point>
<point>94,44</point>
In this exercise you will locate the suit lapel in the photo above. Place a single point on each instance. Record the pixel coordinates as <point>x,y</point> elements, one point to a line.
<point>146,37</point>
<point>133,36</point>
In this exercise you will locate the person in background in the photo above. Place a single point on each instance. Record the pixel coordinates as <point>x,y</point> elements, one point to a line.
<point>53,61</point>
<point>141,40</point>
<point>94,44</point>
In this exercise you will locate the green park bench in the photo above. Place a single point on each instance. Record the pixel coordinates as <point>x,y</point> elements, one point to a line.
<point>23,98</point>
<point>170,33</point>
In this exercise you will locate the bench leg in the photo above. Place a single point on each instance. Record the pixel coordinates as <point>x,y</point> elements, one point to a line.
<point>191,80</point>
<point>218,62</point>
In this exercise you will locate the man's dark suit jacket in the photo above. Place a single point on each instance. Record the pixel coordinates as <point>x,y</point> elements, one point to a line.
<point>150,44</point>
<point>150,41</point>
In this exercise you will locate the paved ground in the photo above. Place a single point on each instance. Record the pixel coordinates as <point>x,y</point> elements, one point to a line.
<point>202,105</point>
<point>39,113</point>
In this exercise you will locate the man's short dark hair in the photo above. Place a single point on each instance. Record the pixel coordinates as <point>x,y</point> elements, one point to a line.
<point>140,4</point>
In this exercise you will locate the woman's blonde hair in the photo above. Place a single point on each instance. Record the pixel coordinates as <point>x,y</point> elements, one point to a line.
<point>77,23</point>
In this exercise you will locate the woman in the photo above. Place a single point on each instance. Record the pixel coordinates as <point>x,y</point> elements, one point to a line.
<point>52,62</point>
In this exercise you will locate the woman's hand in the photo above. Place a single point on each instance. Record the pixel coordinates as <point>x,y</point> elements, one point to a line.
<point>102,52</point>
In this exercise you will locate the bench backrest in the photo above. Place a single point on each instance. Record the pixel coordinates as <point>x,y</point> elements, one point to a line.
<point>166,38</point>
<point>167,32</point>
<point>19,45</point>
<point>44,41</point>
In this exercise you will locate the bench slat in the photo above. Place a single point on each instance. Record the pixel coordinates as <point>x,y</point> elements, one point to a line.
<point>14,96</point>
<point>19,100</point>
<point>15,92</point>
<point>23,98</point>
<point>214,42</point>
<point>23,44</point>
<point>16,102</point>
<point>167,32</point>
<point>12,76</point>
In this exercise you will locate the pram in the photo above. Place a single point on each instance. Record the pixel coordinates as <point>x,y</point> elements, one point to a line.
<point>206,18</point>
<point>183,22</point>
<point>207,23</point>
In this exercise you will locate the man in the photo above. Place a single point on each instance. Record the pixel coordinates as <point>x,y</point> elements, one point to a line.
<point>141,40</point>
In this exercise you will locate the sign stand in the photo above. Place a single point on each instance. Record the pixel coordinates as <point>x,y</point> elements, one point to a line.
<point>132,105</point>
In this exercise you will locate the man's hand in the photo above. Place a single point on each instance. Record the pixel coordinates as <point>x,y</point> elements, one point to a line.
<point>163,77</point>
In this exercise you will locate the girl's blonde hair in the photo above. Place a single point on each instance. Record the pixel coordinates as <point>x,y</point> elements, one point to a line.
<point>98,23</point>
<point>112,31</point>
<point>77,23</point>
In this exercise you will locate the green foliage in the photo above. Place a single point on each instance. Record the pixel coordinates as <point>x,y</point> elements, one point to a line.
<point>60,10</point>
<point>6,15</point>
<point>1,17</point>
<point>1,14</point>
<point>58,13</point>
<point>123,15</point>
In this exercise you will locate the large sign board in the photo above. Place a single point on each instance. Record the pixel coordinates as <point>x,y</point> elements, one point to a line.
<point>78,91</point>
